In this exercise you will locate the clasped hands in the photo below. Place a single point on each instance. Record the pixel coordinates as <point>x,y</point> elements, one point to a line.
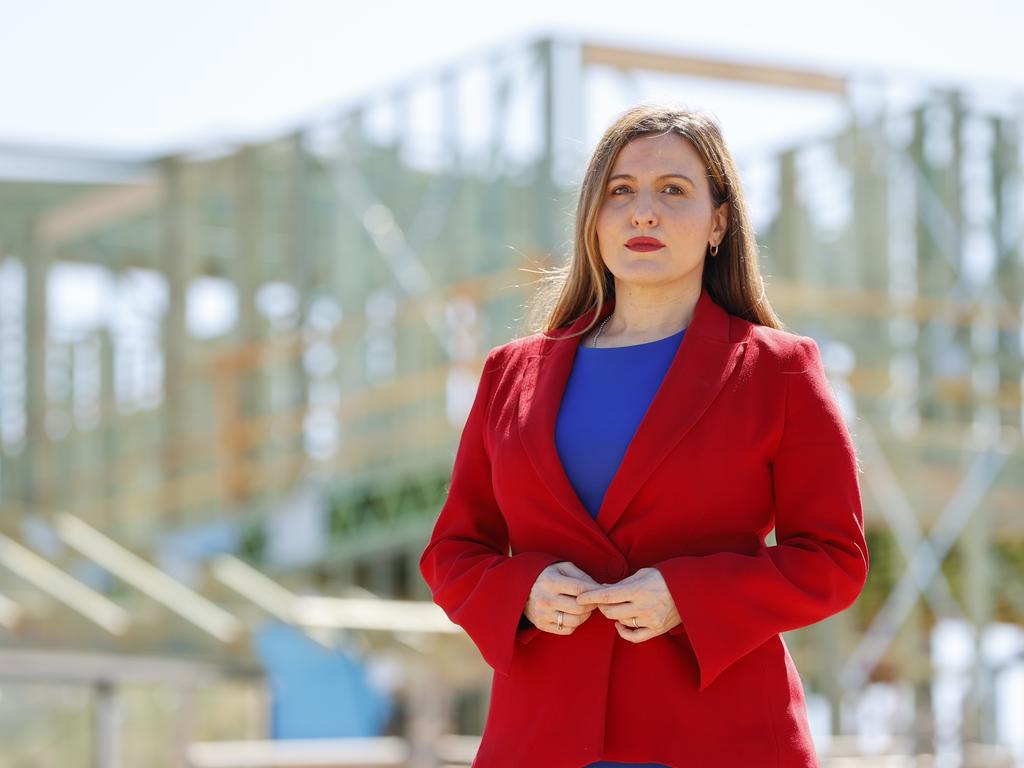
<point>564,587</point>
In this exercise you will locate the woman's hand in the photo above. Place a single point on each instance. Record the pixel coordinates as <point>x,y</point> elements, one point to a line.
<point>644,595</point>
<point>555,590</point>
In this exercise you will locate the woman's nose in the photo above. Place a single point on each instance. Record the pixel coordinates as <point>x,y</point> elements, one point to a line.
<point>643,212</point>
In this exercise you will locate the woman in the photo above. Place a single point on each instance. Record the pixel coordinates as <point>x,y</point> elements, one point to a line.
<point>603,537</point>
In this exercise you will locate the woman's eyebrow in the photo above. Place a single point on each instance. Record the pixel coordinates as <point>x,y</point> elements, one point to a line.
<point>663,176</point>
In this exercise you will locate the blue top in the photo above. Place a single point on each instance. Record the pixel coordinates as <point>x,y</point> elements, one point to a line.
<point>605,399</point>
<point>608,392</point>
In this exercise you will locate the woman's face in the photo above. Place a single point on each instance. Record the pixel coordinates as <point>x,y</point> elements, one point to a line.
<point>647,196</point>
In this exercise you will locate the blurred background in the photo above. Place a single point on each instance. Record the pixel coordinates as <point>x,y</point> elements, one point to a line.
<point>252,255</point>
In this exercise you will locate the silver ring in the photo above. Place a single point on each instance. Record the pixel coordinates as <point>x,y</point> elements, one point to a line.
<point>559,614</point>
<point>634,623</point>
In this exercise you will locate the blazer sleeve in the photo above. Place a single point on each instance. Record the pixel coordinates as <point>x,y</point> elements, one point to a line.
<point>730,603</point>
<point>467,562</point>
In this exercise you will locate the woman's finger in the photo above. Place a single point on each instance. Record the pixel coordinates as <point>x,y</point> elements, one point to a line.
<point>634,635</point>
<point>565,584</point>
<point>623,612</point>
<point>566,604</point>
<point>570,621</point>
<point>578,574</point>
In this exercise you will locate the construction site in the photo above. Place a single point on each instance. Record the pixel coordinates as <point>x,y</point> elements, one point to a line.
<point>233,381</point>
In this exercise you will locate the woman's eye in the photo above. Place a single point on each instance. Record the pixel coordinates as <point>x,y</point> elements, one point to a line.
<point>675,189</point>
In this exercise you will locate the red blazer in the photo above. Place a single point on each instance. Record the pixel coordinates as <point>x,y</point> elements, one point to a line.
<point>743,435</point>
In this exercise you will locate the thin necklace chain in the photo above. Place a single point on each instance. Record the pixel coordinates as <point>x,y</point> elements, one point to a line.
<point>599,329</point>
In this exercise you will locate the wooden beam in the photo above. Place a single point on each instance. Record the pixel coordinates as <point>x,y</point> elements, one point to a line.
<point>715,69</point>
<point>84,668</point>
<point>96,211</point>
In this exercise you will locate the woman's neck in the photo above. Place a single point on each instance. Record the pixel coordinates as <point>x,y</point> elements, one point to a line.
<point>640,317</point>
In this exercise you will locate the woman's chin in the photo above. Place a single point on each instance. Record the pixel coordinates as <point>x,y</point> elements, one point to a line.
<point>644,279</point>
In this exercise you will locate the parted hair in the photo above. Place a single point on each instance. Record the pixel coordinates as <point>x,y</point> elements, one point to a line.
<point>732,277</point>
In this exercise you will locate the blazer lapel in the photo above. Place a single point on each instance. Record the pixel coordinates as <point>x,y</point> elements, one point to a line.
<point>702,364</point>
<point>540,397</point>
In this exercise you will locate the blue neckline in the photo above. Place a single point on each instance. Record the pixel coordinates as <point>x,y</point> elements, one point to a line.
<point>633,346</point>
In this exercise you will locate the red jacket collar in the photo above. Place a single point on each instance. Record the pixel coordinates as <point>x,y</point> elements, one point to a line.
<point>704,361</point>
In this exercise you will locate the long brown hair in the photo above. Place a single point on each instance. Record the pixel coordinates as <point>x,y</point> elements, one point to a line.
<point>732,277</point>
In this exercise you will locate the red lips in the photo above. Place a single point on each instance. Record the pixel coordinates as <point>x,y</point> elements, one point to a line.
<point>644,244</point>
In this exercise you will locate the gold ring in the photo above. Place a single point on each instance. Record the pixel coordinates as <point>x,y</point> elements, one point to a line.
<point>559,614</point>
<point>634,623</point>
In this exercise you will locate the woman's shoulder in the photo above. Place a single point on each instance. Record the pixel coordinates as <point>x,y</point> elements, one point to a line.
<point>513,351</point>
<point>790,352</point>
<point>786,351</point>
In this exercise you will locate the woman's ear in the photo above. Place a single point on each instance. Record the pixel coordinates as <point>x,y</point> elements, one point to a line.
<point>721,217</point>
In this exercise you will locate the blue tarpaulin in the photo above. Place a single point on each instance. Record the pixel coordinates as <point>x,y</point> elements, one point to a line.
<point>317,692</point>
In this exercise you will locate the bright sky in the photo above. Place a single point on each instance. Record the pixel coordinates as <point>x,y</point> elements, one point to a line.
<point>140,78</point>
<point>130,76</point>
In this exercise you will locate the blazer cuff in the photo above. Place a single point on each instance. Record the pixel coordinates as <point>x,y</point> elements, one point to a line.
<point>526,630</point>
<point>680,573</point>
<point>498,633</point>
